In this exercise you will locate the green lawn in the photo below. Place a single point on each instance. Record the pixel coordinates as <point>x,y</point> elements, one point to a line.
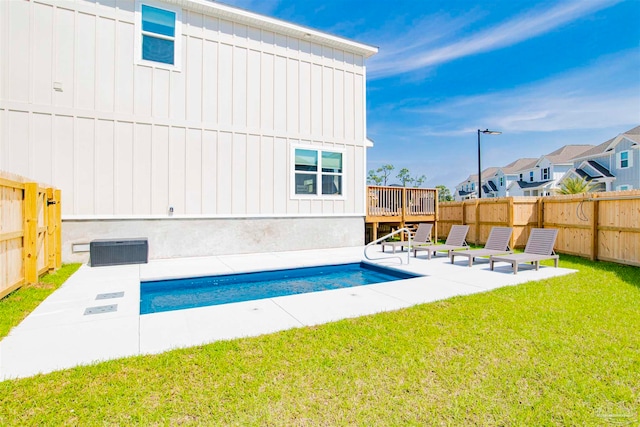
<point>17,305</point>
<point>563,351</point>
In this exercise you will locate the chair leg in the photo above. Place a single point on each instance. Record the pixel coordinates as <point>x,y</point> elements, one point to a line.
<point>537,265</point>
<point>471,259</point>
<point>555,262</point>
<point>515,267</point>
<point>491,264</point>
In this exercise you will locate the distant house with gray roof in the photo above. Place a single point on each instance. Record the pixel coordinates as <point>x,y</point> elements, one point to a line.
<point>613,165</point>
<point>541,178</point>
<point>468,189</point>
<point>506,175</point>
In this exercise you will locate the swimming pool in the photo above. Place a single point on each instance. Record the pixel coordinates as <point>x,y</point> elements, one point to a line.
<point>178,294</point>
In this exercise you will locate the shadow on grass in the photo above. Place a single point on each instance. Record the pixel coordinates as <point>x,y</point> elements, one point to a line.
<point>627,273</point>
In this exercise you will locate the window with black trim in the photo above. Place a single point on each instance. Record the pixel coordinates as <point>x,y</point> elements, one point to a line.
<point>531,176</point>
<point>545,173</point>
<point>318,172</point>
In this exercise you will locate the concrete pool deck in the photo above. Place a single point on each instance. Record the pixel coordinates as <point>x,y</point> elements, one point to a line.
<point>59,335</point>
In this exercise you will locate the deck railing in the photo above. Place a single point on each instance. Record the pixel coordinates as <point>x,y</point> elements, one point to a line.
<point>401,201</point>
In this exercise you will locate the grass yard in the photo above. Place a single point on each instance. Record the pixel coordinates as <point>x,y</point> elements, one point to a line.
<point>563,351</point>
<point>17,305</point>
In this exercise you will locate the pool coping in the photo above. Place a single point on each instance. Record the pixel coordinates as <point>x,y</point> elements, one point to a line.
<point>60,334</point>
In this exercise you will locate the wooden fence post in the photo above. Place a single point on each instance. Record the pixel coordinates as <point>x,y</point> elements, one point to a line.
<point>594,230</point>
<point>510,220</point>
<point>57,198</point>
<point>477,239</point>
<point>30,254</point>
<point>540,213</point>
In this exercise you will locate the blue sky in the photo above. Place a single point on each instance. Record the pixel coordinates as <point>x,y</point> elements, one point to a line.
<point>545,73</point>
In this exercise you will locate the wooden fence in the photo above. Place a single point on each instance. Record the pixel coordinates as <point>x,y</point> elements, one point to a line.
<point>30,232</point>
<point>599,226</point>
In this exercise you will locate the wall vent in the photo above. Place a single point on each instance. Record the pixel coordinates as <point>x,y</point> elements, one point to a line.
<point>118,252</point>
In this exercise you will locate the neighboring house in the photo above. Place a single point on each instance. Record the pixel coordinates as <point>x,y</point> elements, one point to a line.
<point>468,189</point>
<point>541,178</point>
<point>613,165</point>
<point>506,175</point>
<point>206,128</point>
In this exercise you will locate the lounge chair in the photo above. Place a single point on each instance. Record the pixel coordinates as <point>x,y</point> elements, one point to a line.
<point>455,241</point>
<point>497,244</point>
<point>539,247</point>
<point>422,237</point>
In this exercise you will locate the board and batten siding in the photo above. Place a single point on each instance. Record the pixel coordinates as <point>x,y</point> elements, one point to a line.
<point>123,139</point>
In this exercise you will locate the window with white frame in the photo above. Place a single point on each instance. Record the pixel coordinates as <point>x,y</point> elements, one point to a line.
<point>623,187</point>
<point>545,173</point>
<point>531,176</point>
<point>318,172</point>
<point>624,160</point>
<point>158,35</point>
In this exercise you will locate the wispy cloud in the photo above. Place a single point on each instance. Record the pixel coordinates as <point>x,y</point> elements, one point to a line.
<point>415,50</point>
<point>603,94</point>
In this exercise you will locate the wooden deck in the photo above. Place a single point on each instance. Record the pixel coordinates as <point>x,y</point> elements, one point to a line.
<point>396,207</point>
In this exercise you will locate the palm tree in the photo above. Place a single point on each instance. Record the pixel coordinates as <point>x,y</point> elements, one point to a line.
<point>575,185</point>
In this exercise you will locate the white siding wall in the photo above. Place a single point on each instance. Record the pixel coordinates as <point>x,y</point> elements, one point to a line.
<point>212,139</point>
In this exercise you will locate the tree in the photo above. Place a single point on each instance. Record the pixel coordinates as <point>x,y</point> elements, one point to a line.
<point>418,180</point>
<point>374,179</point>
<point>404,176</point>
<point>444,195</point>
<point>575,185</point>
<point>385,171</point>
<point>380,175</point>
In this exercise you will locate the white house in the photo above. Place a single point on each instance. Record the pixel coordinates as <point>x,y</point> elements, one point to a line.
<point>205,128</point>
<point>505,175</point>
<point>613,165</point>
<point>466,189</point>
<point>541,178</point>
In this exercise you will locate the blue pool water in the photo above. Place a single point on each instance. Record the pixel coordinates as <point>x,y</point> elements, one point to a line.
<point>178,294</point>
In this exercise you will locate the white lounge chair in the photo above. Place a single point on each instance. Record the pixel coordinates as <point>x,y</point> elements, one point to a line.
<point>497,244</point>
<point>421,237</point>
<point>539,247</point>
<point>455,241</point>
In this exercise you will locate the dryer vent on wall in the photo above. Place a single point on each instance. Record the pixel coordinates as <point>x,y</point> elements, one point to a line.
<point>118,252</point>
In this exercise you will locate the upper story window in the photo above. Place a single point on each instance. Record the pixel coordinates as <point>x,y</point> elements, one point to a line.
<point>624,160</point>
<point>158,35</point>
<point>531,176</point>
<point>545,173</point>
<point>318,172</point>
<point>502,181</point>
<point>520,177</point>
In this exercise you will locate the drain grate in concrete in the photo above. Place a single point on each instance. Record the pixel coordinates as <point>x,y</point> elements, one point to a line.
<point>101,309</point>
<point>110,295</point>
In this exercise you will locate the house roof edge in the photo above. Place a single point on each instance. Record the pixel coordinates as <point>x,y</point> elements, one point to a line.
<point>278,25</point>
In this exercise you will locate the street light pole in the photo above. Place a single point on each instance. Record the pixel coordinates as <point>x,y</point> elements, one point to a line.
<point>486,132</point>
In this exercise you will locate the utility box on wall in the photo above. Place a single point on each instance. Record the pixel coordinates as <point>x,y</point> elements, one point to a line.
<point>118,252</point>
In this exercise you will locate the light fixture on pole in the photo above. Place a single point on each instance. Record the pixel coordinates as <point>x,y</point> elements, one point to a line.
<point>486,132</point>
